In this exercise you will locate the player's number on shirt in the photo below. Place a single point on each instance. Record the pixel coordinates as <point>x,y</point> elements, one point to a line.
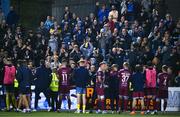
<point>64,78</point>
<point>125,78</point>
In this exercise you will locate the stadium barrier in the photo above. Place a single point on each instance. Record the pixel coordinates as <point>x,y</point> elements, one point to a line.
<point>172,105</point>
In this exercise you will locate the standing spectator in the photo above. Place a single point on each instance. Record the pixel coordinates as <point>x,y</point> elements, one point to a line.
<point>81,77</point>
<point>102,39</point>
<point>53,43</point>
<point>48,23</point>
<point>43,74</point>
<point>123,7</point>
<point>126,39</point>
<point>130,10</point>
<point>24,78</point>
<point>146,4</point>
<point>42,29</point>
<point>9,76</point>
<point>67,12</point>
<point>75,53</point>
<point>12,17</point>
<point>86,48</point>
<point>114,14</point>
<point>55,63</point>
<point>103,12</point>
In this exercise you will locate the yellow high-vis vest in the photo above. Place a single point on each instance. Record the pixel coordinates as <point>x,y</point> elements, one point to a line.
<point>54,83</point>
<point>16,84</point>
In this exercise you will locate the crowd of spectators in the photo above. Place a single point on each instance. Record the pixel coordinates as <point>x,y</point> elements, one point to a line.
<point>130,31</point>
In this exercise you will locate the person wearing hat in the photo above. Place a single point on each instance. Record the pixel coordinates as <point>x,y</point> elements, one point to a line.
<point>81,78</point>
<point>64,73</point>
<point>100,86</point>
<point>113,82</point>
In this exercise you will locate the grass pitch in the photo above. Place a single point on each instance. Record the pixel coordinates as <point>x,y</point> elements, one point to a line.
<point>65,114</point>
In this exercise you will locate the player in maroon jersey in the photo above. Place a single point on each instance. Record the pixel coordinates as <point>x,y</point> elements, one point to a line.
<point>124,76</point>
<point>100,86</point>
<point>162,83</point>
<point>64,73</point>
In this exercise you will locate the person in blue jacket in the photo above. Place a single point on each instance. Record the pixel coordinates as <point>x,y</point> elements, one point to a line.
<point>42,82</point>
<point>81,77</point>
<point>24,77</point>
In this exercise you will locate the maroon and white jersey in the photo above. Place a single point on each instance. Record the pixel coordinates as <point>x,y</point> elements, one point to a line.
<point>100,79</point>
<point>163,79</point>
<point>124,77</point>
<point>64,74</point>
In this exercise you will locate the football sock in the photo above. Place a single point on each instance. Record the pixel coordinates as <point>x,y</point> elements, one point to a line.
<point>154,104</point>
<point>78,106</point>
<point>7,102</point>
<point>102,105</point>
<point>157,105</point>
<point>120,104</point>
<point>165,105</point>
<point>84,108</point>
<point>125,104</point>
<point>14,101</point>
<point>147,103</point>
<point>69,104</point>
<point>134,105</point>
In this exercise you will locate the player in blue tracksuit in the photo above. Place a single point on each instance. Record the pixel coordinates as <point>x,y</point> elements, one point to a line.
<point>138,81</point>
<point>42,82</point>
<point>81,77</point>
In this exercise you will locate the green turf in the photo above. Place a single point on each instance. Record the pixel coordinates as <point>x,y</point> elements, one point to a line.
<point>64,114</point>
